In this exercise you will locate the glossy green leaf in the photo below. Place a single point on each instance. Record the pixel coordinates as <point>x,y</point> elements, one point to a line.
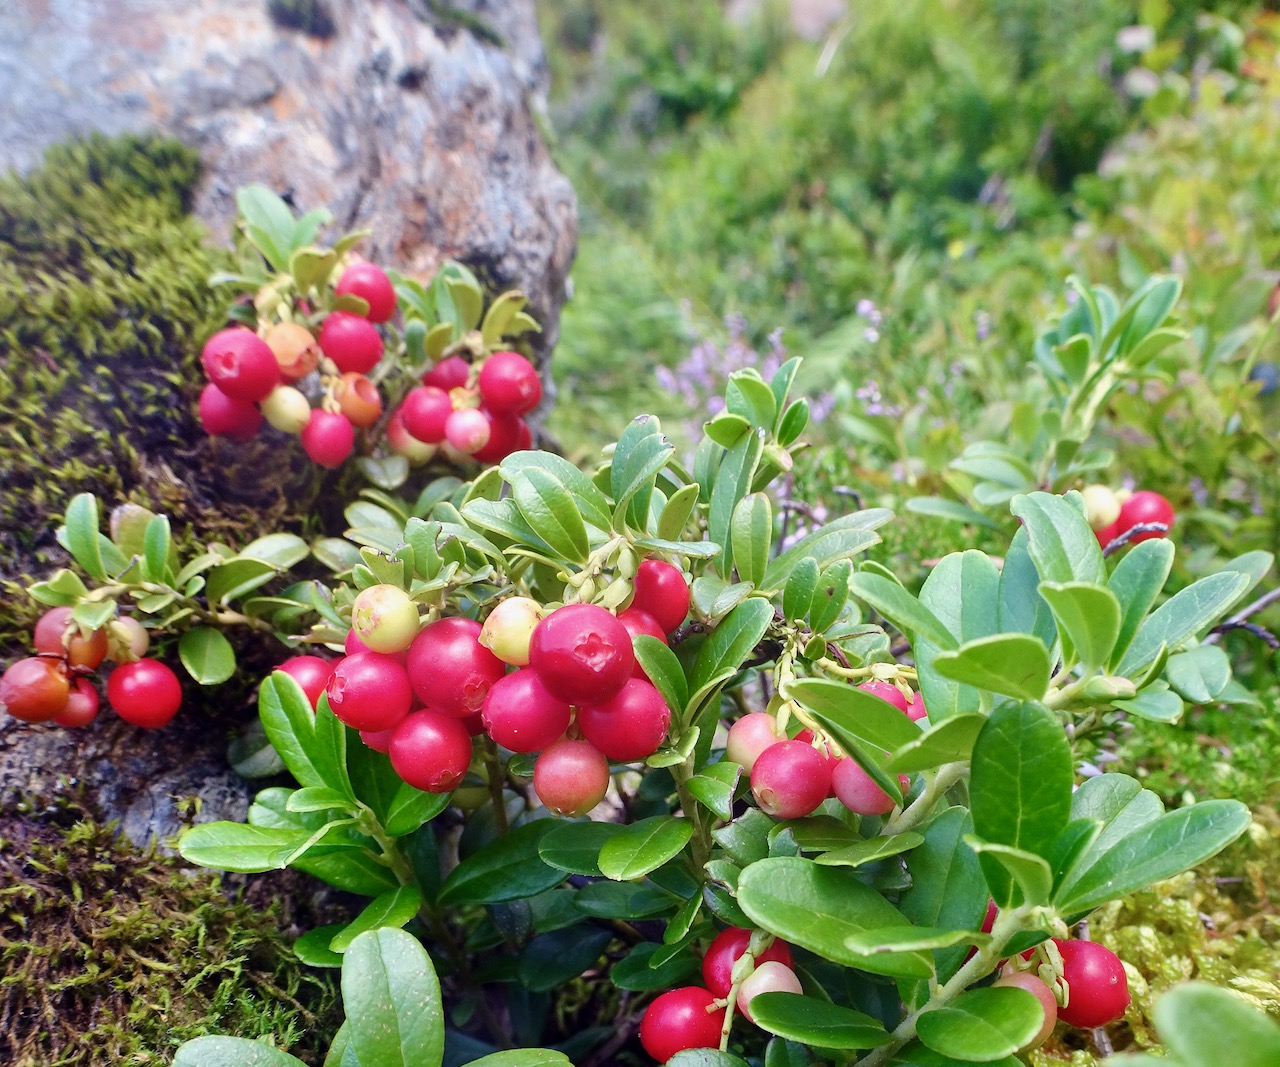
<point>1020,786</point>
<point>1200,674</point>
<point>642,451</point>
<point>1016,665</point>
<point>318,798</point>
<point>677,512</point>
<point>393,909</point>
<point>1136,582</point>
<point>409,808</point>
<point>1155,703</point>
<point>1202,1025</point>
<point>207,655</point>
<point>1183,614</point>
<point>797,595</point>
<point>507,869</point>
<point>911,939</point>
<point>705,1057</point>
<point>842,538</point>
<point>816,1022</point>
<point>312,948</point>
<point>1032,873</point>
<point>560,956</point>
<point>950,741</point>
<point>574,847</point>
<point>392,1001</point>
<point>644,846</point>
<point>874,722</point>
<point>663,669</point>
<point>714,787</point>
<point>751,536</point>
<point>551,512</point>
<point>901,608</point>
<point>870,850</point>
<point>830,596</point>
<point>916,1055</point>
<point>1021,608</point>
<point>982,1025</point>
<point>1088,618</point>
<point>732,483</point>
<point>82,534</point>
<point>1165,846</point>
<point>235,578</point>
<point>818,907</point>
<point>156,546</point>
<point>942,508</point>
<point>524,1057</point>
<point>233,846</point>
<point>962,592</point>
<point>312,745</point>
<point>732,641</point>
<point>633,972</point>
<point>1061,544</point>
<point>232,1052</point>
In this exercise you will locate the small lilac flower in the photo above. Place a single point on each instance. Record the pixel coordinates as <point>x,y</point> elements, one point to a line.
<point>866,308</point>
<point>871,335</point>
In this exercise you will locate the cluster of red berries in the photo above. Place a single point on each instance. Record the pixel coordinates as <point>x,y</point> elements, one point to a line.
<point>1113,513</point>
<point>790,778</point>
<point>576,695</point>
<point>692,1017</point>
<point>470,412</point>
<point>55,684</point>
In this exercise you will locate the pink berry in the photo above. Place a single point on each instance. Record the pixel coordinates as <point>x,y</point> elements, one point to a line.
<point>768,977</point>
<point>750,736</point>
<point>403,443</point>
<point>790,779</point>
<point>425,412</point>
<point>858,791</point>
<point>662,591</point>
<point>629,726</point>
<point>310,672</point>
<point>727,948</point>
<point>582,653</point>
<point>328,439</point>
<point>637,623</point>
<point>450,373</point>
<point>372,285</point>
<point>504,437</point>
<point>369,691</point>
<point>509,383</point>
<point>467,430</point>
<point>240,363</point>
<point>886,691</point>
<point>225,416</point>
<point>450,669</point>
<point>571,777</point>
<point>916,709</point>
<point>431,751</point>
<point>352,342</point>
<point>519,713</point>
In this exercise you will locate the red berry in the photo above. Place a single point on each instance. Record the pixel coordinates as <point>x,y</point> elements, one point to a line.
<point>1098,988</point>
<point>1142,507</point>
<point>431,751</point>
<point>378,740</point>
<point>571,777</point>
<point>631,725</point>
<point>425,411</point>
<point>240,363</point>
<point>328,438</point>
<point>888,692</point>
<point>521,715</point>
<point>640,622</point>
<point>224,416</point>
<point>766,978</point>
<point>369,691</point>
<point>504,437</point>
<point>34,689</point>
<point>582,653</point>
<point>509,383</point>
<point>310,672</point>
<point>916,709</point>
<point>680,1020</point>
<point>790,779</point>
<point>662,591</point>
<point>726,949</point>
<point>858,792</point>
<point>751,735</point>
<point>79,650</point>
<point>145,693</point>
<point>1048,1004</point>
<point>525,440</point>
<point>352,342</point>
<point>451,373</point>
<point>81,707</point>
<point>989,919</point>
<point>1107,534</point>
<point>467,430</point>
<point>358,399</point>
<point>450,669</point>
<point>372,285</point>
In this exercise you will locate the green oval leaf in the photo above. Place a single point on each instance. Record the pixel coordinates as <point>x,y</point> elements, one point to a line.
<point>549,509</point>
<point>233,846</point>
<point>232,1052</point>
<point>82,534</point>
<point>816,1022</point>
<point>207,655</point>
<point>392,909</point>
<point>1088,618</point>
<point>1183,614</point>
<point>643,847</point>
<point>574,847</point>
<point>1015,665</point>
<point>983,1024</point>
<point>392,1000</point>
<point>751,535</point>
<point>506,869</point>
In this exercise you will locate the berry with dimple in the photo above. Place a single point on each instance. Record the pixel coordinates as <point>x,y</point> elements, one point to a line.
<point>790,779</point>
<point>431,751</point>
<point>751,735</point>
<point>766,978</point>
<point>351,341</point>
<point>662,591</point>
<point>403,443</point>
<point>571,777</point>
<point>328,438</point>
<point>630,725</point>
<point>225,416</point>
<point>369,691</point>
<point>504,436</point>
<point>681,1019</point>
<point>467,430</point>
<point>371,284</point>
<point>888,692</point>
<point>509,628</point>
<point>1141,508</point>
<point>582,653</point>
<point>425,411</point>
<point>519,713</point>
<point>287,409</point>
<point>727,948</point>
<point>81,707</point>
<point>240,363</point>
<point>1048,1003</point>
<point>34,689</point>
<point>145,693</point>
<point>1098,988</point>
<point>509,383</point>
<point>295,350</point>
<point>450,669</point>
<point>385,618</point>
<point>639,623</point>
<point>312,673</point>
<point>57,635</point>
<point>858,791</point>
<point>358,399</point>
<point>450,373</point>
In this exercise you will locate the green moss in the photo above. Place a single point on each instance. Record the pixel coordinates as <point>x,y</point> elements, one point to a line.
<point>110,955</point>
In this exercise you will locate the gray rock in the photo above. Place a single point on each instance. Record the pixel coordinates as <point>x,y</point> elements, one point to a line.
<point>414,119</point>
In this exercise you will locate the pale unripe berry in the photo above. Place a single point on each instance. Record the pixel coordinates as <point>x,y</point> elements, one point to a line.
<point>571,777</point>
<point>385,618</point>
<point>509,628</point>
<point>1101,505</point>
<point>467,431</point>
<point>858,791</point>
<point>296,351</point>
<point>1037,988</point>
<point>127,639</point>
<point>287,409</point>
<point>750,736</point>
<point>766,978</point>
<point>403,443</point>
